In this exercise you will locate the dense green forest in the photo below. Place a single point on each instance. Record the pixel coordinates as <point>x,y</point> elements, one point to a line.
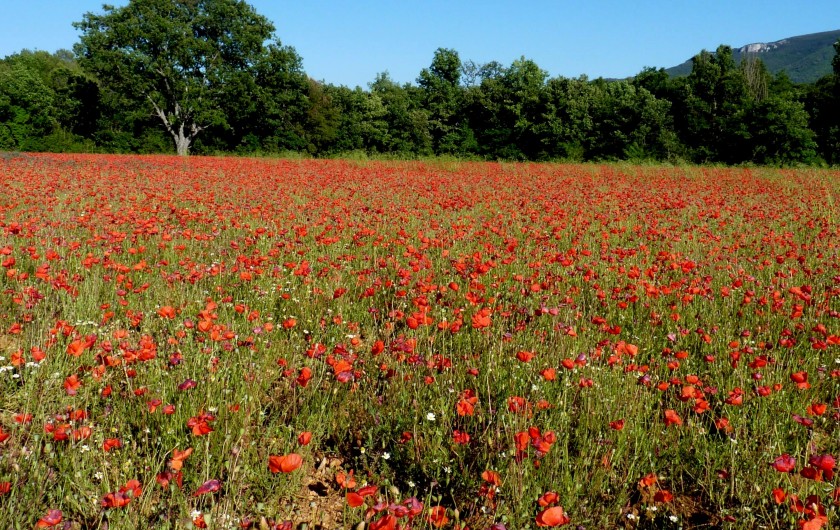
<point>259,100</point>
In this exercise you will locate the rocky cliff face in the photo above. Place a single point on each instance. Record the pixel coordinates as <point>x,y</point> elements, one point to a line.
<point>761,47</point>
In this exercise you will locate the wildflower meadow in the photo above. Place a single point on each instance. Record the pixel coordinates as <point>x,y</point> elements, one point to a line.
<point>321,344</point>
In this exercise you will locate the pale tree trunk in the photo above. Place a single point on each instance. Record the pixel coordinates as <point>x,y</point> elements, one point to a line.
<point>182,141</point>
<point>182,146</point>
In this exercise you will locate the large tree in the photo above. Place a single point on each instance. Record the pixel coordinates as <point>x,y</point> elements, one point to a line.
<point>440,83</point>
<point>715,106</point>
<point>174,57</point>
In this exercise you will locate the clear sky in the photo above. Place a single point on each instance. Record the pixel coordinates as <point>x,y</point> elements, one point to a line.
<point>349,42</point>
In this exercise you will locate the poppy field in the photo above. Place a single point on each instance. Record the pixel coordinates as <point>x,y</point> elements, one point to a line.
<point>303,344</point>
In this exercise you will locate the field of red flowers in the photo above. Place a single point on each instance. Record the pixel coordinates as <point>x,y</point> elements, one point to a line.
<point>230,343</point>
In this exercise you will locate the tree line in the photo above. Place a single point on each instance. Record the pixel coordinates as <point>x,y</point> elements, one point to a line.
<point>210,77</point>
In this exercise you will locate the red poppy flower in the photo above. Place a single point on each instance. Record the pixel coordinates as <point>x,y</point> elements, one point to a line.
<point>121,498</point>
<point>200,425</point>
<point>285,463</point>
<point>211,486</point>
<point>672,418</point>
<point>345,480</point>
<point>76,348</point>
<point>481,319</point>
<point>354,500</point>
<point>386,522</point>
<point>465,407</point>
<point>491,477</point>
<point>648,480</point>
<point>784,463</point>
<point>72,385</point>
<point>53,518</point>
<point>460,437</point>
<point>304,377</point>
<point>663,496</point>
<point>525,356</point>
<point>166,311</point>
<point>176,462</point>
<point>437,516</point>
<point>552,517</point>
<point>548,498</point>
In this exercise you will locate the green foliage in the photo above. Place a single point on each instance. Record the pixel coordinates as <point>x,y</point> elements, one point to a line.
<point>715,103</point>
<point>46,103</point>
<point>567,123</point>
<point>822,102</point>
<point>360,123</point>
<point>406,119</point>
<point>779,132</point>
<point>266,106</point>
<point>835,62</point>
<point>26,108</point>
<point>626,117</point>
<point>218,80</point>
<point>176,59</point>
<point>442,98</point>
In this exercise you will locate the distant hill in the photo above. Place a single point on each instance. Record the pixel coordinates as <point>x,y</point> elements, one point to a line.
<point>805,58</point>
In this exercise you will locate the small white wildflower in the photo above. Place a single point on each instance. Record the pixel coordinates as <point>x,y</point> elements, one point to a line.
<point>84,448</point>
<point>673,518</point>
<point>386,456</point>
<point>631,516</point>
<point>431,416</point>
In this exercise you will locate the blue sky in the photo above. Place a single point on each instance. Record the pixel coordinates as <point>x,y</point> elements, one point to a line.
<point>349,42</point>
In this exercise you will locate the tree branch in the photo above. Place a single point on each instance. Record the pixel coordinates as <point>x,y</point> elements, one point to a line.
<point>162,115</point>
